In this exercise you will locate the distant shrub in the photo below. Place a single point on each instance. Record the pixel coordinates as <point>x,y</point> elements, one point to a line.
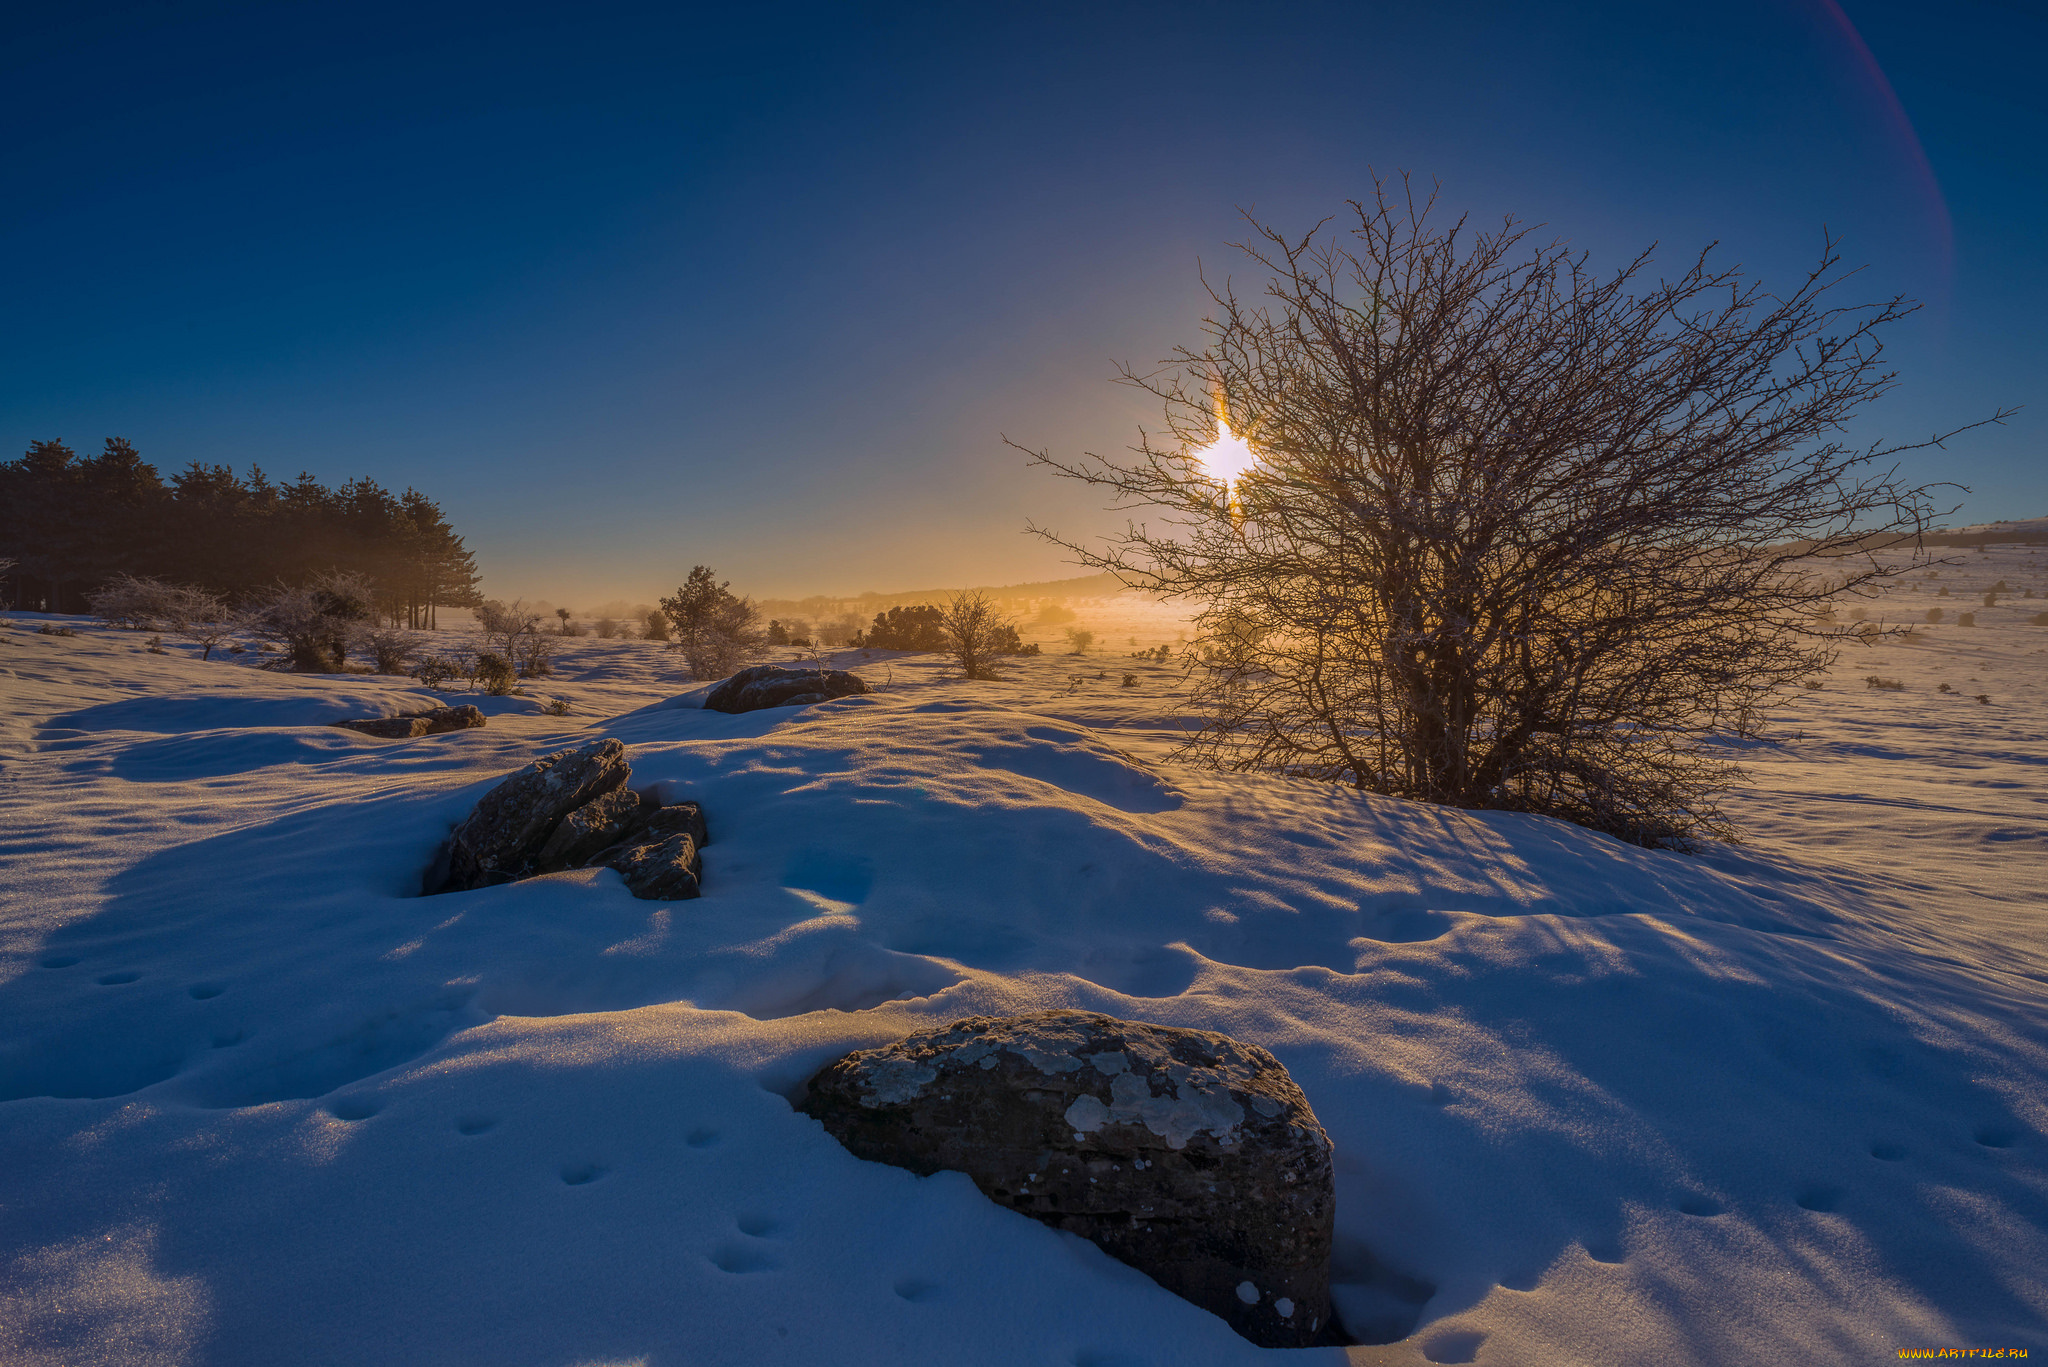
<point>1130,681</point>
<point>390,649</point>
<point>1814,684</point>
<point>1054,614</point>
<point>1934,614</point>
<point>1943,688</point>
<point>1877,681</point>
<point>1942,592</point>
<point>906,628</point>
<point>607,628</point>
<point>156,646</point>
<point>2000,587</point>
<point>715,628</point>
<point>1859,614</point>
<point>309,626</point>
<point>535,655</point>
<point>436,671</point>
<point>973,630</point>
<point>1990,600</point>
<point>558,707</point>
<point>157,605</point>
<point>2040,619</point>
<point>138,603</point>
<point>656,627</point>
<point>494,674</point>
<point>1966,619</point>
<point>47,630</point>
<point>1080,640</point>
<point>1984,698</point>
<point>563,613</point>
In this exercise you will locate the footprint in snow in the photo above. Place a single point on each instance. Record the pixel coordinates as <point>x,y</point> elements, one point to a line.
<point>355,1107</point>
<point>740,1259</point>
<point>1820,1197</point>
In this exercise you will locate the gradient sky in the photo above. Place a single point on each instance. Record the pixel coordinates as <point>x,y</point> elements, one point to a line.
<point>630,288</point>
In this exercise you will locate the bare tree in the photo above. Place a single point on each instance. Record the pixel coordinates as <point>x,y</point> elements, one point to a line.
<point>977,633</point>
<point>512,632</point>
<point>1511,535</point>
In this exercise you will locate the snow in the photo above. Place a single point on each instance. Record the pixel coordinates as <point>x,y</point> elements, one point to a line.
<point>1593,1104</point>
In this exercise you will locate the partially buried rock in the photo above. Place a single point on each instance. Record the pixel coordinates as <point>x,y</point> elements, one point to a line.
<point>444,719</point>
<point>1191,1157</point>
<point>386,728</point>
<point>432,722</point>
<point>776,686</point>
<point>667,870</point>
<point>510,824</point>
<point>597,824</point>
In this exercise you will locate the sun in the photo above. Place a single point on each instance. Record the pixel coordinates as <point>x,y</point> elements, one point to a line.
<point>1228,457</point>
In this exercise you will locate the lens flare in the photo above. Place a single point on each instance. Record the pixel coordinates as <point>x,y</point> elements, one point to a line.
<point>1228,457</point>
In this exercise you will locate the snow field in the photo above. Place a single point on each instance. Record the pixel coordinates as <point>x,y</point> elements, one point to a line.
<point>1590,1103</point>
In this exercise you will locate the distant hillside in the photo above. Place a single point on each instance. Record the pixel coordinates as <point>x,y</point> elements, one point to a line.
<point>2032,531</point>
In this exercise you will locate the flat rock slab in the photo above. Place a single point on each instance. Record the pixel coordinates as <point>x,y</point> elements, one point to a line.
<point>1186,1154</point>
<point>386,728</point>
<point>444,719</point>
<point>777,686</point>
<point>432,722</point>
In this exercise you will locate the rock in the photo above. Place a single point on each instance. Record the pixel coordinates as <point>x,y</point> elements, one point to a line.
<point>667,871</point>
<point>432,722</point>
<point>774,686</point>
<point>444,719</point>
<point>1191,1157</point>
<point>511,822</point>
<point>386,728</point>
<point>684,817</point>
<point>599,823</point>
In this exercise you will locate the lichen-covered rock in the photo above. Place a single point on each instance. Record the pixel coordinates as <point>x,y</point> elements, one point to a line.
<point>1191,1157</point>
<point>776,686</point>
<point>596,825</point>
<point>665,871</point>
<point>386,728</point>
<point>511,823</point>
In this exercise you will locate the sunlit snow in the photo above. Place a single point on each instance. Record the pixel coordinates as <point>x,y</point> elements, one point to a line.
<point>1591,1104</point>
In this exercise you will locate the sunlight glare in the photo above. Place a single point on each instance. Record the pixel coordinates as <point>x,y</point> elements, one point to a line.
<point>1228,457</point>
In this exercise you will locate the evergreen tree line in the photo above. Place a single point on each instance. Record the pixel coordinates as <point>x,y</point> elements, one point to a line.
<point>71,524</point>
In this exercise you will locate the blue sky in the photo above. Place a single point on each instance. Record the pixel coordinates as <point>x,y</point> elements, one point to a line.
<point>630,288</point>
